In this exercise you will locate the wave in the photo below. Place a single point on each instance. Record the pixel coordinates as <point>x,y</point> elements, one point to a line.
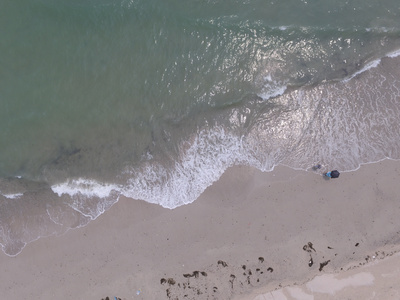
<point>368,66</point>
<point>272,88</point>
<point>394,54</point>
<point>338,124</point>
<point>326,123</point>
<point>372,64</point>
<point>13,196</point>
<point>202,162</point>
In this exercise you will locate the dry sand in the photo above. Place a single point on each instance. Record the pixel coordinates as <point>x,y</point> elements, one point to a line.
<point>244,236</point>
<point>378,280</point>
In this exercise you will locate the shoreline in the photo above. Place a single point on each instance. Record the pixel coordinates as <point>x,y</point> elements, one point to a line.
<point>248,224</point>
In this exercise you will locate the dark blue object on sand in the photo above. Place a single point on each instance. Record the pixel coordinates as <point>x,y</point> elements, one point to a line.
<point>332,174</point>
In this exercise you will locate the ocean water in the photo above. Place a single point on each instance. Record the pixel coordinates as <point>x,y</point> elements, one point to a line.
<point>155,99</point>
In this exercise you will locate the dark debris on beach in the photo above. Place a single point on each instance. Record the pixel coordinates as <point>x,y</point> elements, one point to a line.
<point>235,278</point>
<point>323,264</point>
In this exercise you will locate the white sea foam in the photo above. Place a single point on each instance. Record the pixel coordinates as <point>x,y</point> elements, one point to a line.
<point>88,197</point>
<point>202,162</point>
<point>13,196</point>
<point>271,88</point>
<point>394,54</point>
<point>371,65</point>
<point>85,187</point>
<point>368,66</point>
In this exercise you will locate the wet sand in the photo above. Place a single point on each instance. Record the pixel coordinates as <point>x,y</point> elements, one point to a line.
<point>249,234</point>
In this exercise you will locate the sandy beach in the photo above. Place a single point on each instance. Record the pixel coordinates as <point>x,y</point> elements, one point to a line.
<point>251,235</point>
<point>374,280</point>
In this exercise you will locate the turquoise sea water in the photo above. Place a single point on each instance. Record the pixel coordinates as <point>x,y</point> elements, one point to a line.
<point>156,99</point>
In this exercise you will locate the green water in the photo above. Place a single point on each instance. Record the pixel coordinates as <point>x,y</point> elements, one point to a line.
<point>103,77</point>
<point>155,99</point>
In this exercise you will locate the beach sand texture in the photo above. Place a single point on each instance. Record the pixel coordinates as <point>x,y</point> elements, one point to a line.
<point>248,234</point>
<point>375,280</point>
